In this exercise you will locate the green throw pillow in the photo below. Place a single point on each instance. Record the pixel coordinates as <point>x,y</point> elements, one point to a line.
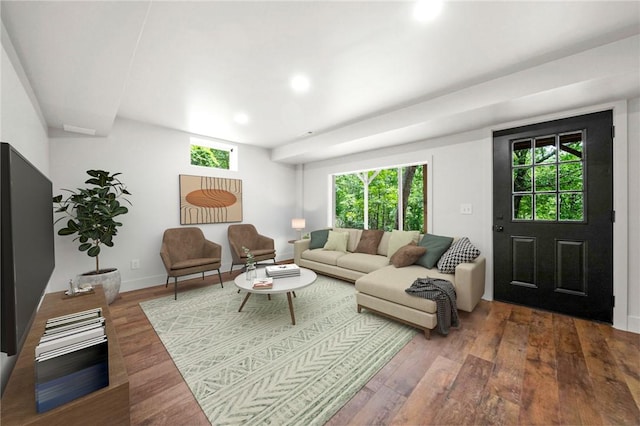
<point>337,241</point>
<point>436,246</point>
<point>318,238</point>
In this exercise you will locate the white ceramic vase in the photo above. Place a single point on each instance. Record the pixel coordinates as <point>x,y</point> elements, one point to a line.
<point>110,281</point>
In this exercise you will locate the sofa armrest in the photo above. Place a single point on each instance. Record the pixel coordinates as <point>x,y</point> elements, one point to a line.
<point>298,247</point>
<point>470,283</point>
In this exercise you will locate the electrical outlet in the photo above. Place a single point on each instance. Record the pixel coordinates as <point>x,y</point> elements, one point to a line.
<point>466,209</point>
<point>135,264</point>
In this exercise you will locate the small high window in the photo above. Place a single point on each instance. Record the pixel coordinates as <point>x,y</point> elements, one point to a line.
<point>207,153</point>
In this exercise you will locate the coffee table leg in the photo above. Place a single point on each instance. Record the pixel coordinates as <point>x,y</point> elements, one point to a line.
<point>245,301</point>
<point>293,318</point>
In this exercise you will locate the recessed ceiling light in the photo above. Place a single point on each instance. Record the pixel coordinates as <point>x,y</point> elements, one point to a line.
<point>241,118</point>
<point>427,10</point>
<point>300,83</point>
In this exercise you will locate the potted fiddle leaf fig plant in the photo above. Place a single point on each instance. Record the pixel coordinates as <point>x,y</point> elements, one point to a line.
<point>92,218</point>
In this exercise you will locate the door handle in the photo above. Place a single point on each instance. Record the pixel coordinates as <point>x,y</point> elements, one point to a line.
<point>498,228</point>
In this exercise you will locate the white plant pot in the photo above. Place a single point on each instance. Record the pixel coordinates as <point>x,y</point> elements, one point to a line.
<point>110,281</point>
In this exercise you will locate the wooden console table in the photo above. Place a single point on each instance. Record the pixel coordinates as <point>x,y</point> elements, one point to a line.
<point>106,406</point>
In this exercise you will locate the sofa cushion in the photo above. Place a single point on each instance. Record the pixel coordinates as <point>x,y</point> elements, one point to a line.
<point>383,247</point>
<point>389,283</point>
<point>337,241</point>
<point>369,241</point>
<point>362,262</point>
<point>354,237</point>
<point>461,251</point>
<point>330,257</point>
<point>401,238</point>
<point>436,246</point>
<point>407,255</point>
<point>318,238</point>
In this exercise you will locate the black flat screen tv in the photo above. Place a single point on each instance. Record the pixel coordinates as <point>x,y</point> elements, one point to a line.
<point>27,253</point>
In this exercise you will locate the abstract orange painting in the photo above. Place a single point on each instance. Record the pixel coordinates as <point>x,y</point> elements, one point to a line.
<point>206,199</point>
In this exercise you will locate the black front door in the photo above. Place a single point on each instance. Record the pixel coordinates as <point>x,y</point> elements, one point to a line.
<point>553,215</point>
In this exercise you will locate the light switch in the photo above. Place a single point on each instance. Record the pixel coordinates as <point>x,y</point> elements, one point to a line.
<point>466,209</point>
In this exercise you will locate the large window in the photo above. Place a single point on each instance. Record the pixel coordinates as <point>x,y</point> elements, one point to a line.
<point>206,153</point>
<point>384,199</point>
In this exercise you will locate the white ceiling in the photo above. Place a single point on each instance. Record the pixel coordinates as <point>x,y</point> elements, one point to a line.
<point>378,77</point>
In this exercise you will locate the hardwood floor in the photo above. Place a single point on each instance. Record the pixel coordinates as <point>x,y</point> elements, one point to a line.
<point>506,365</point>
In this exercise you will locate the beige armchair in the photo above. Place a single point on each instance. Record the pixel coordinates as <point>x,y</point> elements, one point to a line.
<point>185,251</point>
<point>246,235</point>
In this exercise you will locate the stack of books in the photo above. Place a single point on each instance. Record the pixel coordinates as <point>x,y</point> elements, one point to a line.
<point>263,283</point>
<point>71,359</point>
<point>282,271</point>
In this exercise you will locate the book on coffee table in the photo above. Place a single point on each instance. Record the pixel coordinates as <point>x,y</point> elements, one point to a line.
<point>280,271</point>
<point>260,283</point>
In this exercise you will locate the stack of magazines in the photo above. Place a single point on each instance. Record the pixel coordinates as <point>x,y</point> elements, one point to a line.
<point>71,359</point>
<point>282,271</point>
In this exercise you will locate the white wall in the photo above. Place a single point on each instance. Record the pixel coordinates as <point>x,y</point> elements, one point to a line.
<point>462,173</point>
<point>21,125</point>
<point>150,159</point>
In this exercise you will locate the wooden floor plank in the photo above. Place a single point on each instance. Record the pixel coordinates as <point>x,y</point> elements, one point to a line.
<point>506,380</point>
<point>539,401</point>
<point>613,397</point>
<point>466,393</point>
<point>429,395</point>
<point>488,340</point>
<point>506,364</point>
<point>575,388</point>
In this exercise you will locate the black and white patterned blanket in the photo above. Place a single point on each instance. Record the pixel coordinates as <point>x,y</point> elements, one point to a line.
<point>444,294</point>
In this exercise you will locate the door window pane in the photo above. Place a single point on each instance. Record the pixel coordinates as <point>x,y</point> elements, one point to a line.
<point>545,150</point>
<point>522,207</point>
<point>545,178</point>
<point>571,147</point>
<point>521,153</point>
<point>546,206</point>
<point>572,206</point>
<point>571,176</point>
<point>522,177</point>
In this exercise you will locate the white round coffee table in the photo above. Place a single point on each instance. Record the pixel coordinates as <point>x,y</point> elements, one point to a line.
<point>286,285</point>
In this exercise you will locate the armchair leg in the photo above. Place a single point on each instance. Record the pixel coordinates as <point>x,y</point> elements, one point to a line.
<point>167,283</point>
<point>220,277</point>
<point>231,267</point>
<point>175,288</point>
<point>203,275</point>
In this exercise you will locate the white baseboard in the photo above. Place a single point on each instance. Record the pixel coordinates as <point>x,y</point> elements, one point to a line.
<point>633,324</point>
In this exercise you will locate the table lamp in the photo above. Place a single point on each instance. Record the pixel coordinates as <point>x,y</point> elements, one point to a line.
<point>298,224</point>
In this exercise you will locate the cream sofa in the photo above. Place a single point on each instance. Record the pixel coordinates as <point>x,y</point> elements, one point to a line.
<point>380,286</point>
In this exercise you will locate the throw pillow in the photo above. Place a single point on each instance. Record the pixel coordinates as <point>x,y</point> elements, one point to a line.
<point>369,241</point>
<point>337,241</point>
<point>461,251</point>
<point>318,238</point>
<point>401,238</point>
<point>436,245</point>
<point>407,255</point>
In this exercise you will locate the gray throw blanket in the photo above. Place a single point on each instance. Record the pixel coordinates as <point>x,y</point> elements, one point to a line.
<point>444,294</point>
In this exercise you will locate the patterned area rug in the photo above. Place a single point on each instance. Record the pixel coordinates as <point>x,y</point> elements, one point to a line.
<point>255,367</point>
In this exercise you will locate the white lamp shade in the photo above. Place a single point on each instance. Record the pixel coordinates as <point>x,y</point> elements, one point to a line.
<point>298,223</point>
